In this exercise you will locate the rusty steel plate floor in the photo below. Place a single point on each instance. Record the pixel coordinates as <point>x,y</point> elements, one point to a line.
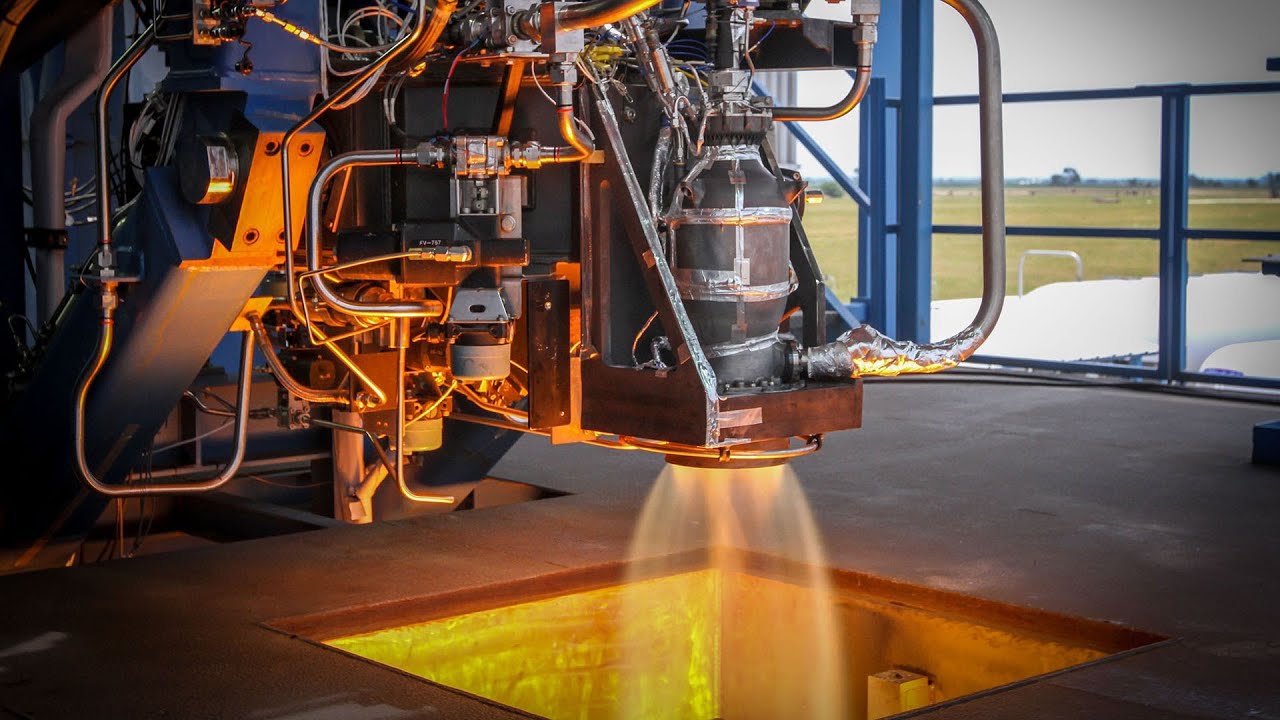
<point>1107,504</point>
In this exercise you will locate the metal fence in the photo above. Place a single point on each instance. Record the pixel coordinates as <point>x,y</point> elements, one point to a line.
<point>876,263</point>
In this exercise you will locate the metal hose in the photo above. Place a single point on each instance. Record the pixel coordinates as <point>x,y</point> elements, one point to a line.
<point>240,432</point>
<point>864,350</point>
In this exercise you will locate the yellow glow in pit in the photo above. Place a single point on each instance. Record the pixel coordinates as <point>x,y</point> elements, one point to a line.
<point>700,634</point>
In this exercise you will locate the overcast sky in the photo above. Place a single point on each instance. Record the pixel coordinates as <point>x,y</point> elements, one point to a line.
<point>1094,44</point>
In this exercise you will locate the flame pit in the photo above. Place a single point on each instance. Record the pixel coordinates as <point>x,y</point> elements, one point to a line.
<point>695,633</point>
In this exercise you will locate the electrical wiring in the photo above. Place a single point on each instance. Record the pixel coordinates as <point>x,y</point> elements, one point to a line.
<point>308,36</point>
<point>763,37</point>
<point>197,438</point>
<point>444,99</point>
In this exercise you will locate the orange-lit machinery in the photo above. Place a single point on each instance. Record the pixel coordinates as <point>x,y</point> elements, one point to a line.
<point>441,224</point>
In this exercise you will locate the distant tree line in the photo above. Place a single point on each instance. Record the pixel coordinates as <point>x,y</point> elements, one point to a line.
<point>1071,177</point>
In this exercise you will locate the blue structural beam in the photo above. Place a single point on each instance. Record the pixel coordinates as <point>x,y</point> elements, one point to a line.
<point>915,173</point>
<point>877,275</point>
<point>1046,231</point>
<point>1175,120</point>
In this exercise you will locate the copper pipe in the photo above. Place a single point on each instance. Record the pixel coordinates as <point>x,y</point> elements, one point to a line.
<point>723,454</point>
<point>579,148</point>
<point>594,13</point>
<point>405,491</point>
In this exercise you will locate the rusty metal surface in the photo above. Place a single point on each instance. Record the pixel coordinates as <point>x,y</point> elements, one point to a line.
<point>546,318</point>
<point>816,408</point>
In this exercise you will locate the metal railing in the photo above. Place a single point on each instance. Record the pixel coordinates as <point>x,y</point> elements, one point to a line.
<point>1068,254</point>
<point>875,263</point>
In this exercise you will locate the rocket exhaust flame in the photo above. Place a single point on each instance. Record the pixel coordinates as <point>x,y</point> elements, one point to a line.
<point>791,637</point>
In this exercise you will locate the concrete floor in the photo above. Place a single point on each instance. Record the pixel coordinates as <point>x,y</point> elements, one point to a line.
<point>1111,504</point>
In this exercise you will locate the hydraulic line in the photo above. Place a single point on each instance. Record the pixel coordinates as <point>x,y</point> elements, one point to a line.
<point>368,158</point>
<point>579,148</point>
<point>424,29</point>
<point>121,66</point>
<point>861,81</point>
<point>402,332</point>
<point>282,375</point>
<point>240,432</point>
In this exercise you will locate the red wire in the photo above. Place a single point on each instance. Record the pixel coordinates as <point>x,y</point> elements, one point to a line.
<point>444,102</point>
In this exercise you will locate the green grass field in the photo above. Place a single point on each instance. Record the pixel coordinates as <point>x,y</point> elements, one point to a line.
<point>832,228</point>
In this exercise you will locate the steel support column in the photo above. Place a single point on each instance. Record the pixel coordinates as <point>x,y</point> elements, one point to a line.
<point>915,173</point>
<point>877,278</point>
<point>1174,151</point>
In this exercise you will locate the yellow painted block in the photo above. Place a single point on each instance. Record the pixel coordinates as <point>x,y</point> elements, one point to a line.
<point>895,691</point>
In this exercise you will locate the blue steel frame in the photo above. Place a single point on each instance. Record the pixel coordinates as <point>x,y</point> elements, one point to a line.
<point>1172,233</point>
<point>893,258</point>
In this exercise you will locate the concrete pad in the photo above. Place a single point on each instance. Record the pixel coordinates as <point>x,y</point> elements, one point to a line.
<point>1132,507</point>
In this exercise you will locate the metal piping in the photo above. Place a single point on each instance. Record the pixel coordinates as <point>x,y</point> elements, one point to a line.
<point>429,31</point>
<point>87,59</point>
<point>861,82</point>
<point>283,377</point>
<point>864,350</point>
<point>121,66</point>
<point>240,432</point>
<point>402,332</point>
<point>369,158</point>
<point>594,13</point>
<point>579,148</point>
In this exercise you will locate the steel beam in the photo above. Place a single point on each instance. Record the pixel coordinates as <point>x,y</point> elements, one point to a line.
<point>915,173</point>
<point>1175,118</point>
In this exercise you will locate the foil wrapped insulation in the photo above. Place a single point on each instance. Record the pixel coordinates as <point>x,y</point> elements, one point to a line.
<point>865,351</point>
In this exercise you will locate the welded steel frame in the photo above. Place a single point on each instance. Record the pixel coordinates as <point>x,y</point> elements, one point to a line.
<point>680,404</point>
